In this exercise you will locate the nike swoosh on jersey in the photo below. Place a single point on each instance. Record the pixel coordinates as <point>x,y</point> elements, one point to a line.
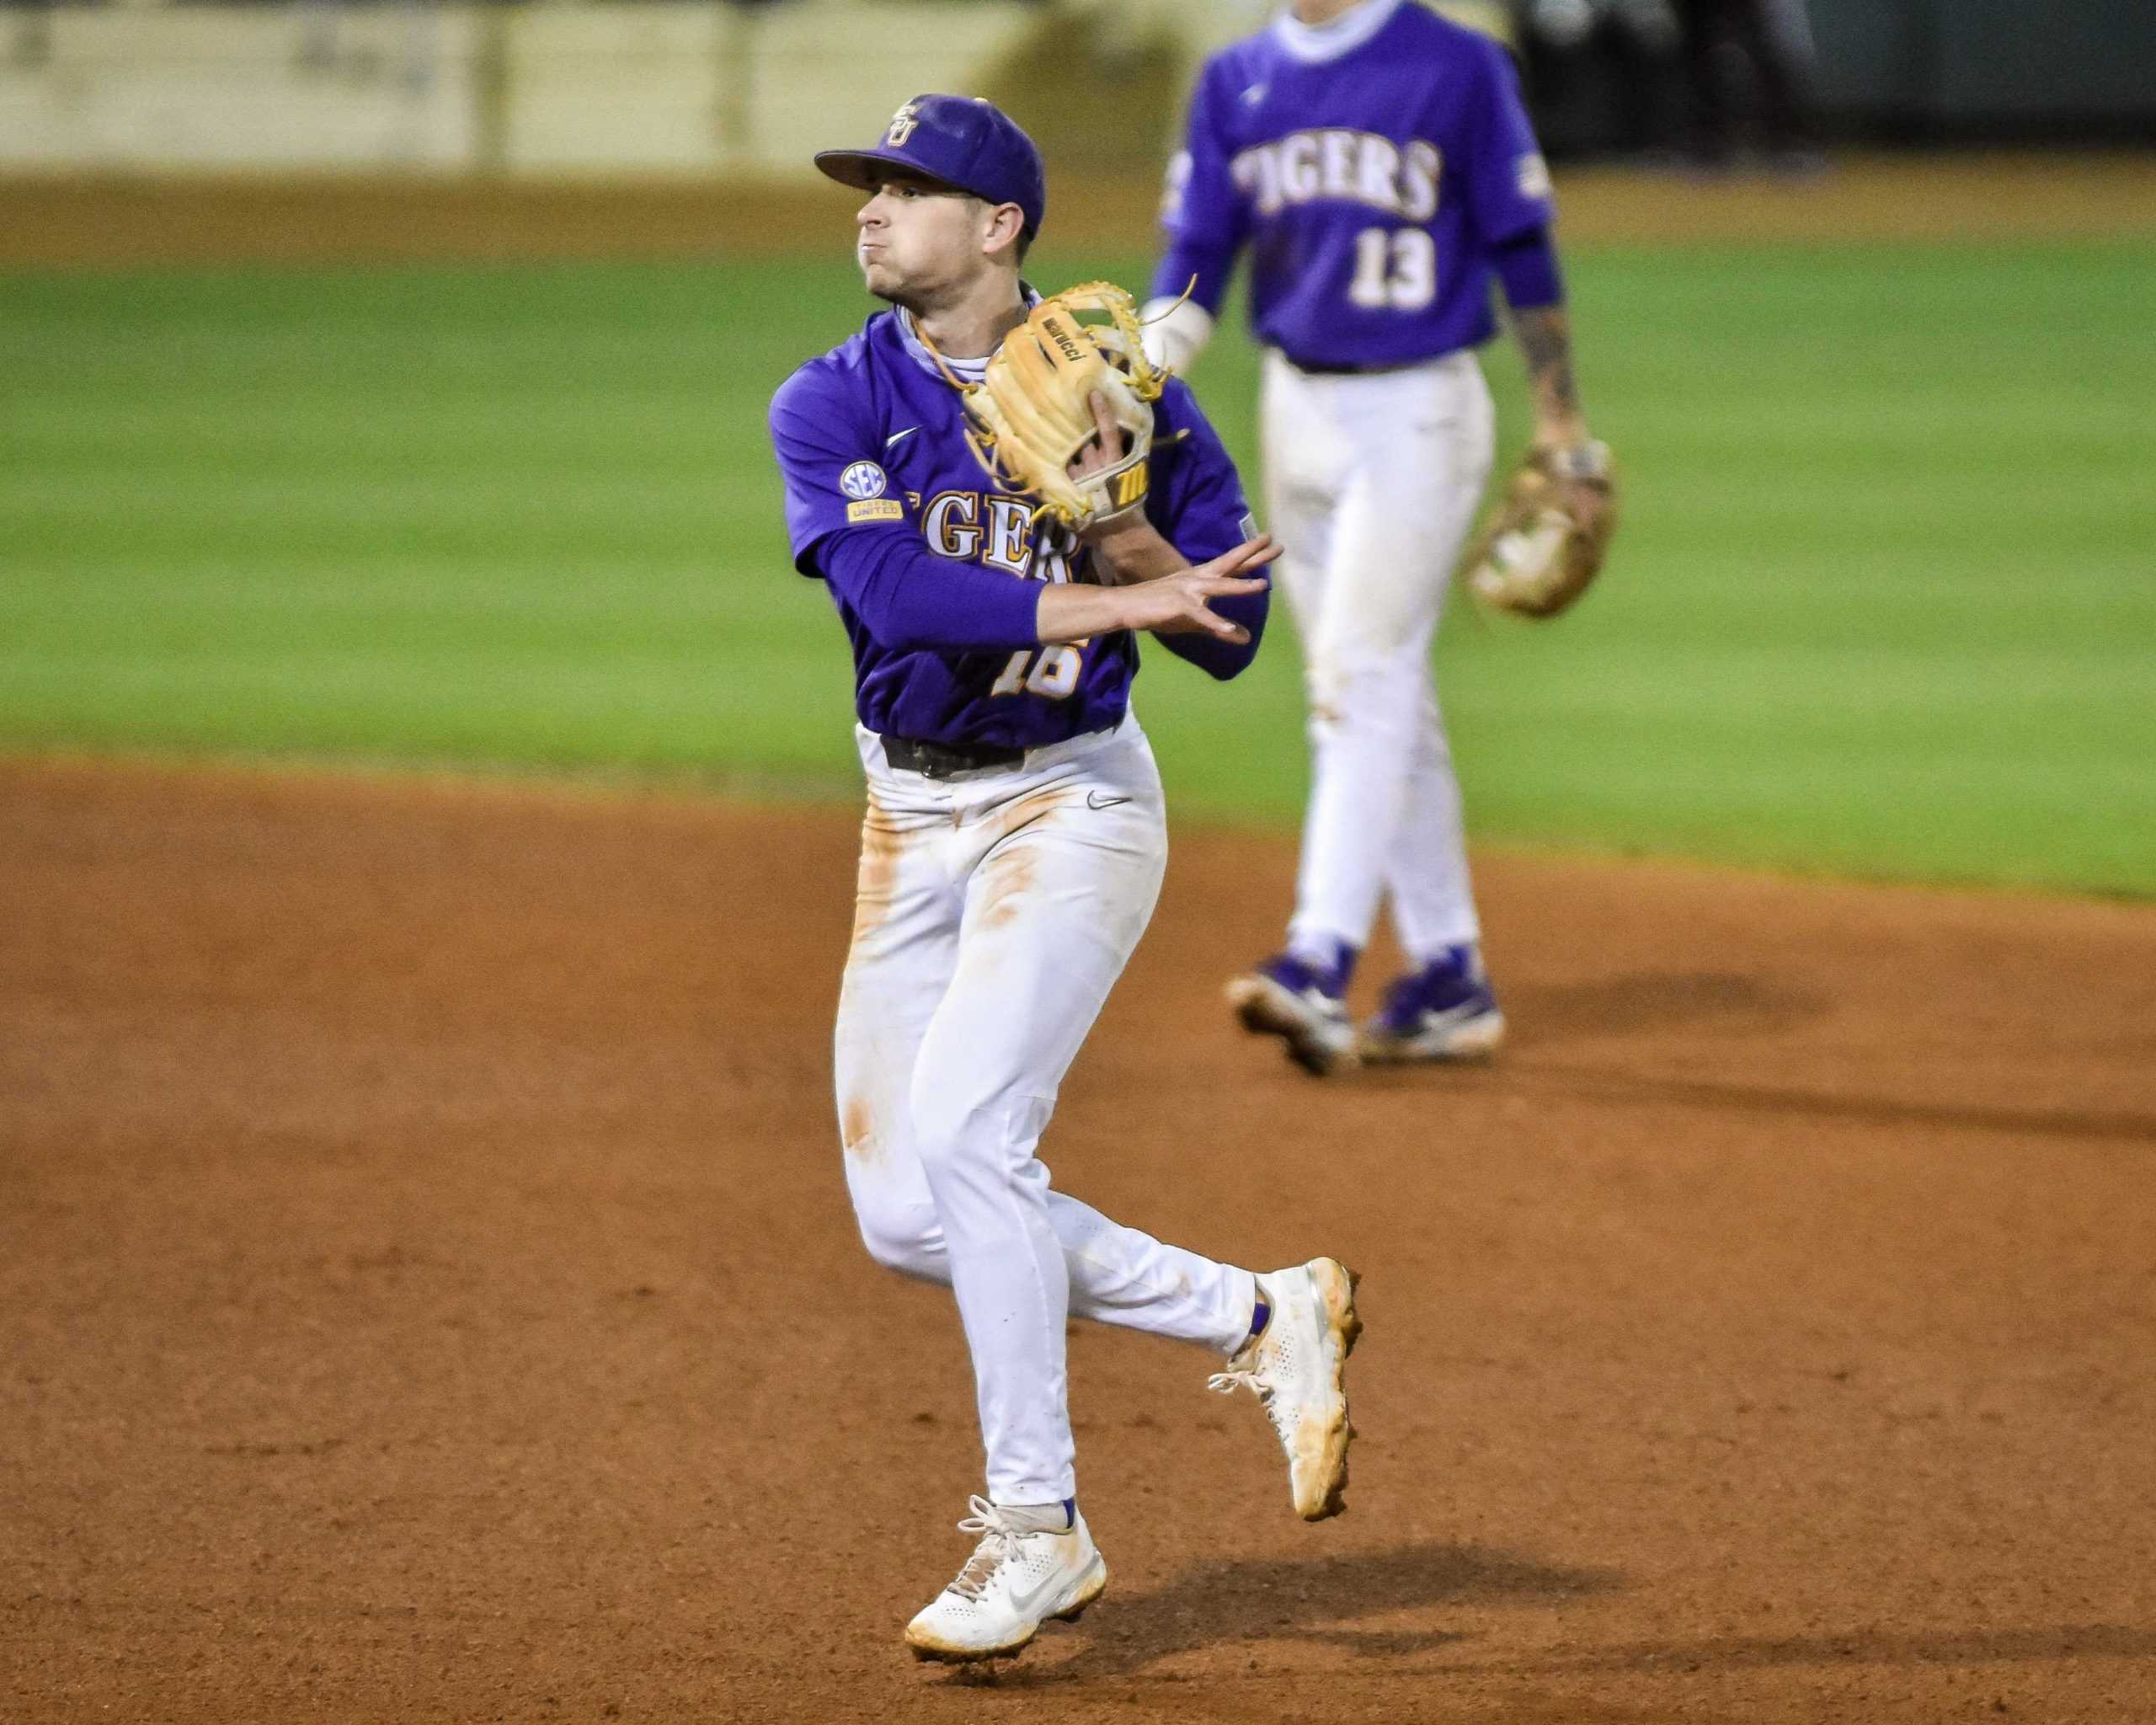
<point>897,437</point>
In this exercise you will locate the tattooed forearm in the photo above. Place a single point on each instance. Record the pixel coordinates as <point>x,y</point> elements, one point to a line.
<point>1546,341</point>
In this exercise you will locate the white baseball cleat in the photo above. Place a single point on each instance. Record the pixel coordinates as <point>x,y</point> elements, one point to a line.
<point>1295,1367</point>
<point>1018,1578</point>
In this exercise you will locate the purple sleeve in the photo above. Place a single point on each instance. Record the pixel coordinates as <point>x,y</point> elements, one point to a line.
<point>1199,509</point>
<point>819,434</point>
<point>1507,181</point>
<point>911,600</point>
<point>905,595</point>
<point>1527,267</point>
<point>1203,212</point>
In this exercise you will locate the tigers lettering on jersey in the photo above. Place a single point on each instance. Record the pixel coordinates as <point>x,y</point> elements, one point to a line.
<point>1373,187</point>
<point>972,527</point>
<point>1342,165</point>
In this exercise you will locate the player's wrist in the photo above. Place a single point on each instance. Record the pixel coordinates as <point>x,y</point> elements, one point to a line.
<point>1562,431</point>
<point>1133,550</point>
<point>1578,459</point>
<point>1176,331</point>
<point>1070,610</point>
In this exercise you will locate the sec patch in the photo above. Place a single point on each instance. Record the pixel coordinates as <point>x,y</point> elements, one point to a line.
<point>863,479</point>
<point>876,509</point>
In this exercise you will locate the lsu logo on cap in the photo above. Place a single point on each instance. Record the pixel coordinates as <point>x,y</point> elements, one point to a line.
<point>902,124</point>
<point>861,481</point>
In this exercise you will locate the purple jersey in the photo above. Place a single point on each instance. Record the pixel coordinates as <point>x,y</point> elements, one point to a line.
<point>1372,186</point>
<point>870,440</point>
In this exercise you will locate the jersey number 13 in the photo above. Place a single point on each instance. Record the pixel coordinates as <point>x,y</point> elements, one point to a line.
<point>1396,268</point>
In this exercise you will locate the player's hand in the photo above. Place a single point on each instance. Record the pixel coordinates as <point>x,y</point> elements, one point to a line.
<point>1180,604</point>
<point>1105,451</point>
<point>1176,604</point>
<point>1107,446</point>
<point>1586,500</point>
<point>1587,503</point>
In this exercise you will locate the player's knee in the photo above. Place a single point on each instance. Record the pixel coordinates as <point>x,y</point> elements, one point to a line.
<point>897,1246</point>
<point>960,1126</point>
<point>1380,693</point>
<point>947,1129</point>
<point>901,1238</point>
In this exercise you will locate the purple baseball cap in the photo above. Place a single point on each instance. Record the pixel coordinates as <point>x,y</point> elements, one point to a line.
<point>966,141</point>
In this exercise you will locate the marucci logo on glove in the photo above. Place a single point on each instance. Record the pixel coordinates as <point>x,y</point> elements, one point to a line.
<point>1031,417</point>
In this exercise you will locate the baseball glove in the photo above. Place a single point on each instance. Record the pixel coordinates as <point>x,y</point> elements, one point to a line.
<point>1033,416</point>
<point>1534,555</point>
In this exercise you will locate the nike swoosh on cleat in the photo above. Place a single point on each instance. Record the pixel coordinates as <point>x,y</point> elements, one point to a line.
<point>1029,1604</point>
<point>898,437</point>
<point>1094,799</point>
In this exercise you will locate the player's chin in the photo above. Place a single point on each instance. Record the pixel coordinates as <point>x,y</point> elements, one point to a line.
<point>877,275</point>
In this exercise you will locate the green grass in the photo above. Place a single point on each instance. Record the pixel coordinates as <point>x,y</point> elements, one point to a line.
<point>1883,603</point>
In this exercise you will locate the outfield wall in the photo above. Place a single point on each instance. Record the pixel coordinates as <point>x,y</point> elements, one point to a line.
<point>700,87</point>
<point>641,88</point>
<point>634,88</point>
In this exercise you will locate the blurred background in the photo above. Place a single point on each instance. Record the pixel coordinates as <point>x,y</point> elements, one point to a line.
<point>690,87</point>
<point>387,383</point>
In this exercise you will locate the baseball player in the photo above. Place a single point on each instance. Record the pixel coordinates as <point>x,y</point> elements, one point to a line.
<point>1376,161</point>
<point>1012,850</point>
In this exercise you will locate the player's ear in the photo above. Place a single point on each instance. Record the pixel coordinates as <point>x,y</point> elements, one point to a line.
<point>1002,232</point>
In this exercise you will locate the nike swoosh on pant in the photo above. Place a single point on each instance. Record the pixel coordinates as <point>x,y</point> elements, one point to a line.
<point>1094,799</point>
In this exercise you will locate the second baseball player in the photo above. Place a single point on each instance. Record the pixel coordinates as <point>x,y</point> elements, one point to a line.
<point>1377,163</point>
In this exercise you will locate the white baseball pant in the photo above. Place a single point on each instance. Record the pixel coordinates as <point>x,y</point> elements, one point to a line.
<point>1372,481</point>
<point>995,911</point>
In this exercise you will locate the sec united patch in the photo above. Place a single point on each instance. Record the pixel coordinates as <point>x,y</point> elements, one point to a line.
<point>876,509</point>
<point>863,479</point>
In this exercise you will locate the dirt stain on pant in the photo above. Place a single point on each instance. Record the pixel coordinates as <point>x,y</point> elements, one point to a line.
<point>857,1130</point>
<point>875,887</point>
<point>1009,876</point>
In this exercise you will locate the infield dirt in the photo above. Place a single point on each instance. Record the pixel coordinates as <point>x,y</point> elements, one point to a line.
<point>427,1291</point>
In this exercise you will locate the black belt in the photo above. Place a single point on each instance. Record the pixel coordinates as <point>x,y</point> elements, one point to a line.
<point>943,760</point>
<point>1354,370</point>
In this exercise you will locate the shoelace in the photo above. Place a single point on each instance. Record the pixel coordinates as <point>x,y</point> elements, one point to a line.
<point>1228,1382</point>
<point>996,1534</point>
<point>1236,1377</point>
